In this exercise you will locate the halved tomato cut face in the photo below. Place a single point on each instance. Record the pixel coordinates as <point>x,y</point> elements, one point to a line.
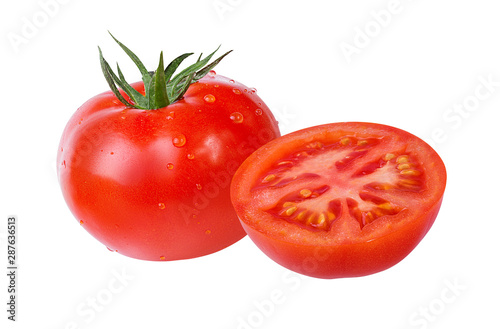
<point>340,200</point>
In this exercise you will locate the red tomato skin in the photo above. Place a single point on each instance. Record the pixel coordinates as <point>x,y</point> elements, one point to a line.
<point>328,260</point>
<point>154,184</point>
<point>345,260</point>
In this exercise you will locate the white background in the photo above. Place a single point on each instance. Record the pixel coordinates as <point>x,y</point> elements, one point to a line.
<point>312,62</point>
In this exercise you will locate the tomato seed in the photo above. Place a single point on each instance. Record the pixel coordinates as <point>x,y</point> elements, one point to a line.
<point>290,211</point>
<point>402,159</point>
<point>268,178</point>
<point>411,172</point>
<point>305,193</point>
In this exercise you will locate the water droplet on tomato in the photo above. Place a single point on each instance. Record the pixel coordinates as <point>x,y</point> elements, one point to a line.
<point>258,111</point>
<point>171,115</point>
<point>253,90</point>
<point>236,117</point>
<point>112,153</point>
<point>162,257</point>
<point>161,205</point>
<point>208,232</point>
<point>212,73</point>
<point>110,249</point>
<point>81,222</point>
<point>64,163</point>
<point>231,81</point>
<point>209,98</point>
<point>199,187</point>
<point>179,140</point>
<point>190,156</point>
<point>170,166</point>
<point>236,91</point>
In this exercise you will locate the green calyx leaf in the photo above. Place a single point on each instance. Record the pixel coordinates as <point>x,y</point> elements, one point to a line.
<point>162,87</point>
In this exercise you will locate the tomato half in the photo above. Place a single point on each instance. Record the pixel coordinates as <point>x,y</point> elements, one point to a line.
<point>340,200</point>
<point>154,184</point>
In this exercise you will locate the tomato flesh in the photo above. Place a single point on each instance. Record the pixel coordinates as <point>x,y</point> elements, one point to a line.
<point>350,198</point>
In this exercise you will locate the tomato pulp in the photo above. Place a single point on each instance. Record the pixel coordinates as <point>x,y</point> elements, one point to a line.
<point>154,184</point>
<point>340,200</point>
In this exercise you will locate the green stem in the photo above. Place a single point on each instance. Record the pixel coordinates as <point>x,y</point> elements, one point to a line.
<point>162,87</point>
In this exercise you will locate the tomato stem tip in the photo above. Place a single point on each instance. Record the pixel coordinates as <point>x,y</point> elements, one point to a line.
<point>161,86</point>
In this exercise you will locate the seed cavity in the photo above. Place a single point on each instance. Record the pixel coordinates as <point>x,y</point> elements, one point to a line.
<point>372,177</point>
<point>315,145</point>
<point>368,212</point>
<point>293,208</point>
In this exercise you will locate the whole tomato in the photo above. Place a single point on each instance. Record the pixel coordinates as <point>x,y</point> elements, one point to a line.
<point>146,169</point>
